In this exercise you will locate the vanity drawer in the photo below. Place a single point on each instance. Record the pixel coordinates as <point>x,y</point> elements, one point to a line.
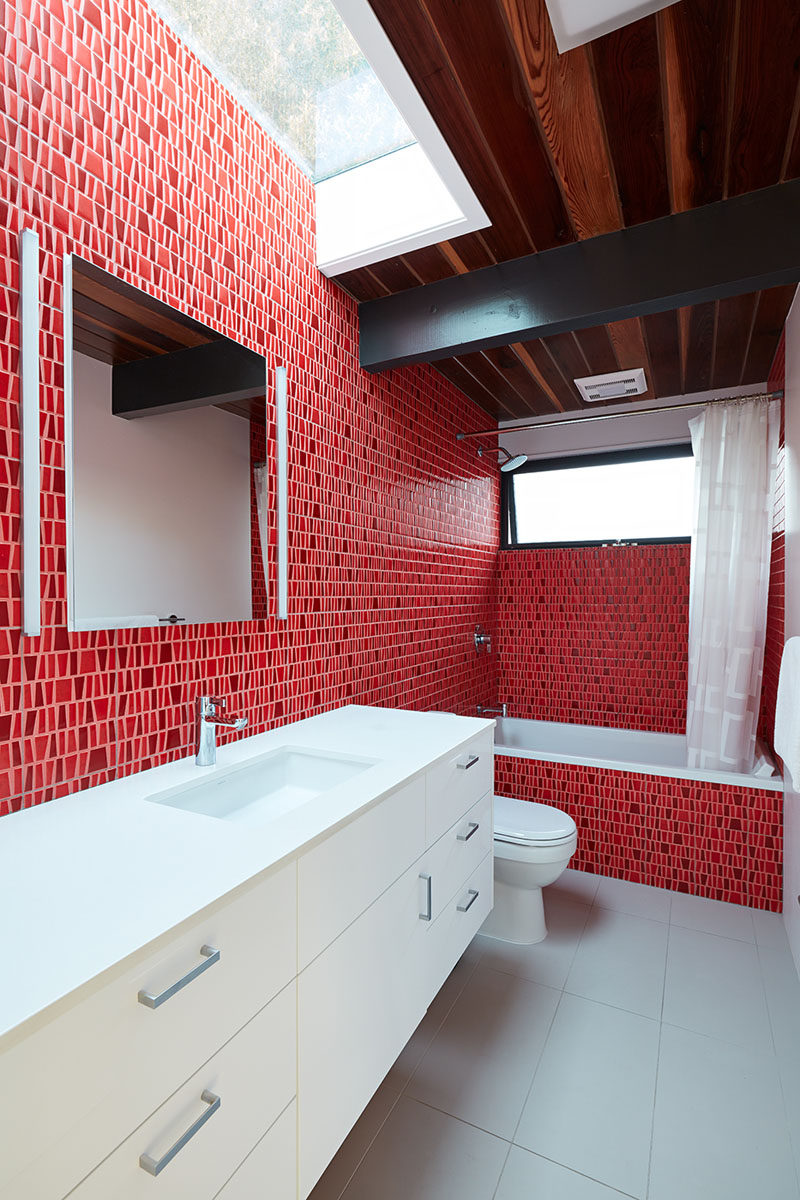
<point>454,784</point>
<point>463,915</point>
<point>270,1171</point>
<point>77,1086</point>
<point>339,878</point>
<point>252,1077</point>
<point>455,856</point>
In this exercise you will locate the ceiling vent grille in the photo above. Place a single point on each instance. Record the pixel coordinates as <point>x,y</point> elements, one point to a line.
<point>615,386</point>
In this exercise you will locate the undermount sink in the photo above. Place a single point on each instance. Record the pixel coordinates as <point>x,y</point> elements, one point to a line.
<point>266,787</point>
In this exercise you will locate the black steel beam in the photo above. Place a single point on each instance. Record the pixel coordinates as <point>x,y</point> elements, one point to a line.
<point>739,245</point>
<point>213,373</point>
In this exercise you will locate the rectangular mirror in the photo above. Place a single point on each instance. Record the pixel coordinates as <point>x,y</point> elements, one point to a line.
<point>165,446</point>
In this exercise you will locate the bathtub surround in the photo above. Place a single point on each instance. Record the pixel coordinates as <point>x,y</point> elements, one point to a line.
<point>735,448</point>
<point>595,636</point>
<point>707,839</point>
<point>122,147</point>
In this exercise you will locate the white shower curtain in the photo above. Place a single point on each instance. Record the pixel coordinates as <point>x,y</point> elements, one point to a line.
<point>735,447</point>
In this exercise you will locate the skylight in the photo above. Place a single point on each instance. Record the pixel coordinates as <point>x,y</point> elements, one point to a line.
<point>324,80</point>
<point>295,65</point>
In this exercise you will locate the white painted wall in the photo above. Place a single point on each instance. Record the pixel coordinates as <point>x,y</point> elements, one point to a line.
<point>161,511</point>
<point>662,428</point>
<point>791,811</point>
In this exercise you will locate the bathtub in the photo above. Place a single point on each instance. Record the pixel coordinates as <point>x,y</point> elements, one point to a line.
<point>613,749</point>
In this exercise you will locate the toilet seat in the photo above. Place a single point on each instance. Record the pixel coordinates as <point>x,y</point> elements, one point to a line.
<point>526,823</point>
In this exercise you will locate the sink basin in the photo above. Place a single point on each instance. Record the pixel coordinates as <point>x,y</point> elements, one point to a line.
<point>266,787</point>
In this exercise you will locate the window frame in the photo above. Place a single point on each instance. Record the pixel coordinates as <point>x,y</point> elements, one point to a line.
<point>508,519</point>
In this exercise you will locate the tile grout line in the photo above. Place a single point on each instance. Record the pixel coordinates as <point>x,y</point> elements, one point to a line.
<point>793,1147</point>
<point>658,1064</point>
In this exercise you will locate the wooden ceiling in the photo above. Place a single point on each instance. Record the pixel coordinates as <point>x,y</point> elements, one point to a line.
<point>692,105</point>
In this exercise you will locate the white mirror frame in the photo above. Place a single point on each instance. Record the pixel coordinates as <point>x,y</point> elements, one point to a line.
<point>282,490</point>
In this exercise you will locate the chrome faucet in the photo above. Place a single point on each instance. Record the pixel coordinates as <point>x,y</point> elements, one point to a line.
<point>207,717</point>
<point>502,711</point>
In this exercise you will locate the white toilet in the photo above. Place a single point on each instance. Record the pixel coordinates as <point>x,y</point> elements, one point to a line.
<point>533,844</point>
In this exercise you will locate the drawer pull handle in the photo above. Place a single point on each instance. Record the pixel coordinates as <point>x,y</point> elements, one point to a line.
<point>426,916</point>
<point>465,766</point>
<point>210,955</point>
<point>473,827</point>
<point>473,896</point>
<point>155,1165</point>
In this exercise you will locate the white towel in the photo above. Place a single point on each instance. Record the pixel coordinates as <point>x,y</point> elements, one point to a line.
<point>787,711</point>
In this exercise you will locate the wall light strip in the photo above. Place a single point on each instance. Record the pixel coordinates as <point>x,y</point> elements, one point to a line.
<point>69,403</point>
<point>282,490</point>
<point>29,409</point>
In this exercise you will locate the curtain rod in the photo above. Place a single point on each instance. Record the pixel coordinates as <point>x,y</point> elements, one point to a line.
<point>637,412</point>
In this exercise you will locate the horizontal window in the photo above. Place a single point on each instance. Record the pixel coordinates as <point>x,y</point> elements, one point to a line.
<point>592,499</point>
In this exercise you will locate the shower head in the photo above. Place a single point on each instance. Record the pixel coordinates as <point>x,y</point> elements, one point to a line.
<point>511,464</point>
<point>512,461</point>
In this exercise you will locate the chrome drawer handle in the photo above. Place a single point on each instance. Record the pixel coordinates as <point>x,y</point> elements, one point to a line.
<point>426,916</point>
<point>155,1165</point>
<point>465,766</point>
<point>473,896</point>
<point>210,955</point>
<point>473,827</point>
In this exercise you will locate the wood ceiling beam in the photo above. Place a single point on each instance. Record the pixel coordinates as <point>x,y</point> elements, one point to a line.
<point>742,244</point>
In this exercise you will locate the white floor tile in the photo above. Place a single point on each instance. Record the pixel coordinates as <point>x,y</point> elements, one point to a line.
<point>549,961</point>
<point>481,1062</point>
<point>580,886</point>
<point>527,1176</point>
<point>620,960</point>
<point>714,987</point>
<point>590,1107</point>
<point>782,988</point>
<point>770,929</point>
<point>636,899</point>
<point>712,916</point>
<point>720,1131</point>
<point>422,1154</point>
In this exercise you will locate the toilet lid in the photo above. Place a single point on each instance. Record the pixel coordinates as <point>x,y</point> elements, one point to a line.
<point>526,821</point>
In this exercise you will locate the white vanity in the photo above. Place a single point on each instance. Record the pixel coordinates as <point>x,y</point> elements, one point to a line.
<point>234,985</point>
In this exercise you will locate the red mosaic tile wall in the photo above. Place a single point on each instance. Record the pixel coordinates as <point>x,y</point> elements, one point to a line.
<point>775,635</point>
<point>703,838</point>
<point>595,636</point>
<point>116,143</point>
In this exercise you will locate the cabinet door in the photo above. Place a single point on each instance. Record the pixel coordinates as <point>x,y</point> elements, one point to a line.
<point>358,1003</point>
<point>341,876</point>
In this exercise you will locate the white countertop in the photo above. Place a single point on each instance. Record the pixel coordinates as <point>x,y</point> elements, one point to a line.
<point>87,880</point>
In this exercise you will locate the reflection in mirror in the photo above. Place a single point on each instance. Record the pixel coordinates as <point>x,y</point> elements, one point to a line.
<point>165,522</point>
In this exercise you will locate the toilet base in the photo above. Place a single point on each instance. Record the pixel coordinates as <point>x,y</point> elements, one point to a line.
<point>517,916</point>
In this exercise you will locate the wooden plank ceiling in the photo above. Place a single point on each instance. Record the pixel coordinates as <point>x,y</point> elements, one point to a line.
<point>692,105</point>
